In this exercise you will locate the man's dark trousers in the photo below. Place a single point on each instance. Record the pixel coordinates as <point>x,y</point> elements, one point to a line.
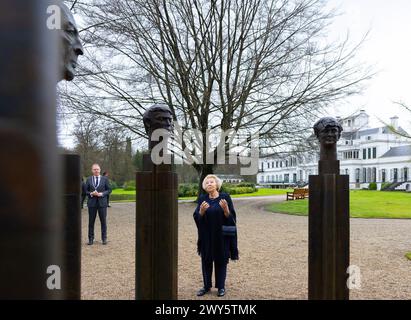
<point>102,214</point>
<point>220,274</point>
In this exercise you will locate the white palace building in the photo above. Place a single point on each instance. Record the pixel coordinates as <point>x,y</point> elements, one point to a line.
<point>366,155</point>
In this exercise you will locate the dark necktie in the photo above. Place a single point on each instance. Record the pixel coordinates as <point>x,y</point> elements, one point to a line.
<point>95,182</point>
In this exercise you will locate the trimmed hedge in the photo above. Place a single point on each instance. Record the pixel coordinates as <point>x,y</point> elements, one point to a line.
<point>187,190</point>
<point>130,185</point>
<point>372,186</point>
<point>113,184</point>
<point>191,189</point>
<point>243,184</point>
<point>122,197</point>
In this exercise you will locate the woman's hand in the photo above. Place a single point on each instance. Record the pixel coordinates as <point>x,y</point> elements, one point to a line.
<point>203,207</point>
<point>224,205</point>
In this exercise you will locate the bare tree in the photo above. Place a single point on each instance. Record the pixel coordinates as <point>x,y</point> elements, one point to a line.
<point>248,65</point>
<point>87,146</point>
<point>398,130</point>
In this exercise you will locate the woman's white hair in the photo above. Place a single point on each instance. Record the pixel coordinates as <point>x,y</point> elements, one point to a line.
<point>217,180</point>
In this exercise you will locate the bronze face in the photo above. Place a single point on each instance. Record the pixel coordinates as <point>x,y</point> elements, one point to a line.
<point>329,135</point>
<point>158,117</point>
<point>161,119</point>
<point>328,131</point>
<point>70,42</point>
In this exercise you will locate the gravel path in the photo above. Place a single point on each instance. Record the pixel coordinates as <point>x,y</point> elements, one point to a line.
<point>273,256</point>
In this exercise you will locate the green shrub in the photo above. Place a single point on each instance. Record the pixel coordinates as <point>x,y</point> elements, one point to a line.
<point>130,185</point>
<point>230,189</point>
<point>372,186</point>
<point>191,189</point>
<point>246,184</point>
<point>113,184</point>
<point>187,190</point>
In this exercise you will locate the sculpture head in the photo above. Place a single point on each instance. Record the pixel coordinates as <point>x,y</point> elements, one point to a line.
<point>328,131</point>
<point>158,116</point>
<point>71,46</point>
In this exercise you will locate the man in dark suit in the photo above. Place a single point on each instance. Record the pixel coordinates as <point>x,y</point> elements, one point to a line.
<point>97,188</point>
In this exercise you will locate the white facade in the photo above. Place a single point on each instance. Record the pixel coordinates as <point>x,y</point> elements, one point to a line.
<point>366,155</point>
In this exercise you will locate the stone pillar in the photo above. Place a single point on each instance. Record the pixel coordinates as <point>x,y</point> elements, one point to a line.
<point>329,233</point>
<point>156,231</point>
<point>30,194</point>
<point>71,268</point>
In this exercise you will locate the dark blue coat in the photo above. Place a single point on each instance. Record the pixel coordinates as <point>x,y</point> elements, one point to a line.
<point>103,187</point>
<point>211,244</point>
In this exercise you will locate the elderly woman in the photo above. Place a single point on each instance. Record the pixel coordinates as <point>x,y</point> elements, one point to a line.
<point>214,210</point>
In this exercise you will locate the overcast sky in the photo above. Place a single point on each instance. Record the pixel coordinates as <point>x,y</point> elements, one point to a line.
<point>388,48</point>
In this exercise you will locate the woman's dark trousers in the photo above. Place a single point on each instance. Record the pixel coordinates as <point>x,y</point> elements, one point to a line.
<point>220,274</point>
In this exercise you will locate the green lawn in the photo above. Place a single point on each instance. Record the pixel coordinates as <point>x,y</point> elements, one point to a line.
<point>363,204</point>
<point>122,195</point>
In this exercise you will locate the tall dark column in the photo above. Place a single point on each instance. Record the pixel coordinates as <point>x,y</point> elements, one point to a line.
<point>156,232</point>
<point>329,232</point>
<point>156,212</point>
<point>30,195</point>
<point>71,268</point>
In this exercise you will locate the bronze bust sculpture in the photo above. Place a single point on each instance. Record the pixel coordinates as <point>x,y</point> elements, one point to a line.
<point>328,219</point>
<point>71,46</point>
<point>328,132</point>
<point>157,219</point>
<point>158,116</point>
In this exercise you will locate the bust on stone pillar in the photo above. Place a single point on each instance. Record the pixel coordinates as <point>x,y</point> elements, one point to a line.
<point>158,116</point>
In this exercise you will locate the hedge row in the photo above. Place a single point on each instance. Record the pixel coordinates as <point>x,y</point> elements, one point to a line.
<point>130,185</point>
<point>187,189</point>
<point>191,189</point>
<point>122,197</point>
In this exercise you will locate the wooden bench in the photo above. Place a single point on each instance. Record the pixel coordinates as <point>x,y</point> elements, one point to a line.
<point>297,194</point>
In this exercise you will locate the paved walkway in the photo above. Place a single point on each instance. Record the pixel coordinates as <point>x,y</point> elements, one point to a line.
<point>273,255</point>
